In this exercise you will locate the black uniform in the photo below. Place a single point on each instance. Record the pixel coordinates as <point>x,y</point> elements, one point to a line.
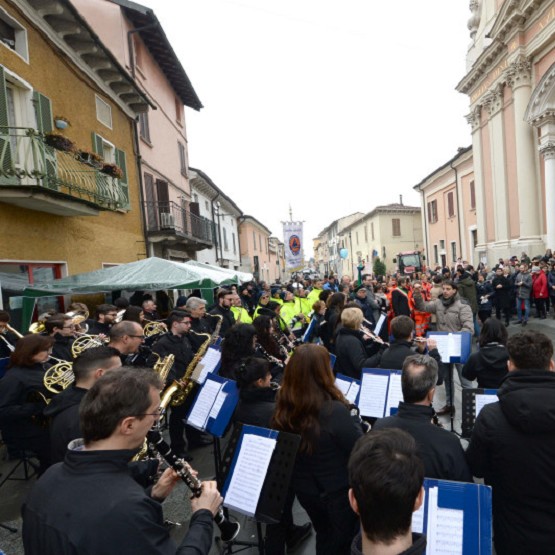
<point>439,449</point>
<point>21,412</point>
<point>97,328</point>
<point>488,366</point>
<point>228,318</point>
<point>91,504</point>
<point>62,347</point>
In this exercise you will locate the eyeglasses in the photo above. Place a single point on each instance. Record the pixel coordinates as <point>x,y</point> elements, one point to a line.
<point>137,336</point>
<point>158,413</point>
<point>69,327</point>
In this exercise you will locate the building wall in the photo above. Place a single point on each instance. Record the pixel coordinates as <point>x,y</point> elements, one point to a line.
<point>254,242</point>
<point>83,243</point>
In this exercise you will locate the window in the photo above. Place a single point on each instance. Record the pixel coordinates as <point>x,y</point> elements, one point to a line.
<point>472,196</point>
<point>178,110</point>
<point>144,128</point>
<point>254,239</point>
<point>453,251</point>
<point>442,244</point>
<point>260,243</point>
<point>357,237</point>
<point>103,112</point>
<point>13,35</point>
<point>182,158</point>
<point>195,197</point>
<point>207,206</point>
<point>138,51</point>
<point>234,244</point>
<point>432,212</point>
<point>396,225</point>
<point>450,204</point>
<point>225,239</point>
<point>366,233</point>
<point>436,257</point>
<point>474,233</point>
<point>372,230</point>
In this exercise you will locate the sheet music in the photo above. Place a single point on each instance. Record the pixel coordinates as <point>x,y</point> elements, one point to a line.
<point>483,400</point>
<point>445,528</point>
<point>455,344</point>
<point>395,393</point>
<point>207,365</point>
<point>379,324</point>
<point>218,404</point>
<point>442,346</point>
<point>351,395</point>
<point>418,517</point>
<point>372,394</point>
<point>342,385</point>
<point>249,473</point>
<point>204,403</point>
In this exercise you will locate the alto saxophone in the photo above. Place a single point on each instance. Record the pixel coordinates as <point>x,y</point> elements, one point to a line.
<point>177,392</point>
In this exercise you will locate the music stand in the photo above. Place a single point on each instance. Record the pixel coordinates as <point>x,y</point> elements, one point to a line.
<point>469,409</point>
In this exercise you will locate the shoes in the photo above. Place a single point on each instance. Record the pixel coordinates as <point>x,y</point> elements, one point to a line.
<point>297,535</point>
<point>518,322</point>
<point>447,409</point>
<point>524,323</point>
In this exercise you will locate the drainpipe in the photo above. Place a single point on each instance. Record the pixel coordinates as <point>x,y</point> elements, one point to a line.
<point>216,235</point>
<point>459,215</point>
<point>426,215</point>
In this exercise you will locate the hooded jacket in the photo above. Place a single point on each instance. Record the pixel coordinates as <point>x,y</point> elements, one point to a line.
<point>467,290</point>
<point>488,366</point>
<point>513,449</point>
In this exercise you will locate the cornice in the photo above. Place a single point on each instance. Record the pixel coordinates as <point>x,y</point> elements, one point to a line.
<point>547,150</point>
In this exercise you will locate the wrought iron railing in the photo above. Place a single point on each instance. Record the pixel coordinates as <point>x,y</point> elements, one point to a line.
<point>27,161</point>
<point>172,218</point>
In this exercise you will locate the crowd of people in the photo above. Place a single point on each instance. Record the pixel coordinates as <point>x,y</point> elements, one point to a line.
<point>359,480</point>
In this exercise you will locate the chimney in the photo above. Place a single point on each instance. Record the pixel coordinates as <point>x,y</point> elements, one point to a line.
<point>401,200</point>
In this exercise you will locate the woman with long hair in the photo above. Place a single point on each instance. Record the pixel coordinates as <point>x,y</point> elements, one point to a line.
<point>267,346</point>
<point>310,405</point>
<point>22,399</point>
<point>489,364</point>
<point>335,305</point>
<point>238,344</point>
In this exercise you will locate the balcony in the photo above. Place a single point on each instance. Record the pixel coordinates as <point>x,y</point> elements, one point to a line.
<point>36,176</point>
<point>169,223</point>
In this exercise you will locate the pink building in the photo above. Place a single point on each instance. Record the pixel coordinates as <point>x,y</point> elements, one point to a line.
<point>173,227</point>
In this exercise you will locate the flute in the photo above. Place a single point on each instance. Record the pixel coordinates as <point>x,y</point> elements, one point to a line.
<point>228,529</point>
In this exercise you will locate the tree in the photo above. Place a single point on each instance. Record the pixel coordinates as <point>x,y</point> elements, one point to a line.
<point>379,267</point>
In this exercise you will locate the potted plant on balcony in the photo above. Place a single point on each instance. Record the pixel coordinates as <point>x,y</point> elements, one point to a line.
<point>112,170</point>
<point>61,122</point>
<point>59,142</point>
<point>90,158</point>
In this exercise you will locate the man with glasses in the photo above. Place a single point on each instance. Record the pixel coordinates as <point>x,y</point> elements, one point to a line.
<point>60,327</point>
<point>91,504</point>
<point>176,342</point>
<point>105,318</point>
<point>127,337</point>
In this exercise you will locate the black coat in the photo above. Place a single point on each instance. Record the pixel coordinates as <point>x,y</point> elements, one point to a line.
<point>418,546</point>
<point>400,303</point>
<point>180,347</point>
<point>62,347</point>
<point>97,328</point>
<point>488,366</point>
<point>351,353</point>
<point>63,412</point>
<point>393,357</point>
<point>513,448</point>
<point>21,410</point>
<point>325,471</point>
<point>256,406</point>
<point>439,449</point>
<point>503,298</point>
<point>89,504</point>
<point>228,318</point>
<point>200,325</point>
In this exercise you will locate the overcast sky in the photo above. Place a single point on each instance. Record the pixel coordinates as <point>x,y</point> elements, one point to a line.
<point>330,107</point>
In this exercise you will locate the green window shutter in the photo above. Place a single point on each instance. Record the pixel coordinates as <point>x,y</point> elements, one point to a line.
<point>121,161</point>
<point>6,165</point>
<point>97,143</point>
<point>43,109</point>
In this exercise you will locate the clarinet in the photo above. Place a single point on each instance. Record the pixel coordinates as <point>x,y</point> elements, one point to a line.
<point>228,529</point>
<point>270,358</point>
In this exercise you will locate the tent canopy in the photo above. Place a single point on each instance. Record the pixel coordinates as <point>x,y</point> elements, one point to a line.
<point>148,274</point>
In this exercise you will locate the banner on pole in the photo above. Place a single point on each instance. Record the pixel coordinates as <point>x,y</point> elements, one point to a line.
<point>293,241</point>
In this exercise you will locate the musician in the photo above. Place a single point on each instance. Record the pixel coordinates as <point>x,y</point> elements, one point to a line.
<point>8,338</point>
<point>257,401</point>
<point>21,404</point>
<point>91,504</point>
<point>63,410</point>
<point>238,344</point>
<point>61,328</point>
<point>439,449</point>
<point>309,404</point>
<point>223,308</point>
<point>106,315</point>
<point>513,447</point>
<point>149,309</point>
<point>361,298</point>
<point>267,347</point>
<point>384,502</point>
<point>127,337</point>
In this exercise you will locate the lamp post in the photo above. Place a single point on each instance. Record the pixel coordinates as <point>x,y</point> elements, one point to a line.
<point>360,267</point>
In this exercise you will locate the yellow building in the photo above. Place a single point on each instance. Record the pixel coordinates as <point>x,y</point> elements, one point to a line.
<point>60,212</point>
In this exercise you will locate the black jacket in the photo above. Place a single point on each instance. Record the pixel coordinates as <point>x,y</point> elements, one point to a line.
<point>394,356</point>
<point>62,347</point>
<point>228,318</point>
<point>325,471</point>
<point>513,449</point>
<point>20,407</point>
<point>488,366</point>
<point>63,412</point>
<point>97,328</point>
<point>418,546</point>
<point>179,346</point>
<point>503,297</point>
<point>11,338</point>
<point>89,504</point>
<point>200,325</point>
<point>400,303</point>
<point>256,406</point>
<point>439,449</point>
<point>351,353</point>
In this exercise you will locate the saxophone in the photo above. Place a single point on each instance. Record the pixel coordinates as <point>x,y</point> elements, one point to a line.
<point>177,392</point>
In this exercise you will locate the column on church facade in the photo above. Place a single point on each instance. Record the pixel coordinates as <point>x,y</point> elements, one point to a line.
<point>519,79</point>
<point>548,151</point>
